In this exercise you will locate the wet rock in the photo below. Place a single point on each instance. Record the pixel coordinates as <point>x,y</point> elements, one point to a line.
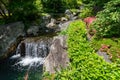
<point>10,36</point>
<point>64,19</point>
<point>57,57</point>
<point>69,14</point>
<point>22,47</point>
<point>52,24</point>
<point>45,20</point>
<point>104,55</point>
<point>33,31</point>
<point>64,26</point>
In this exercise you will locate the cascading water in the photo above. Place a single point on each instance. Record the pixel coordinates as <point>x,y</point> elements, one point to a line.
<point>34,53</point>
<point>27,61</point>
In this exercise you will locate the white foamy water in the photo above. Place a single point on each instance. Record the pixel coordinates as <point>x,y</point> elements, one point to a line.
<point>30,61</point>
<point>15,56</point>
<point>34,53</point>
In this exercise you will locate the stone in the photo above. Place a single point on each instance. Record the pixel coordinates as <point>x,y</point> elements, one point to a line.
<point>52,24</point>
<point>64,26</point>
<point>69,14</point>
<point>33,31</point>
<point>104,55</point>
<point>10,36</point>
<point>64,19</point>
<point>57,57</point>
<point>22,47</point>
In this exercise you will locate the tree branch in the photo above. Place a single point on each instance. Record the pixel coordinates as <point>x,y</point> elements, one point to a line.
<point>3,8</point>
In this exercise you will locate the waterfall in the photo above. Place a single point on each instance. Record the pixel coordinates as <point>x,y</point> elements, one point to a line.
<point>31,53</point>
<point>35,49</point>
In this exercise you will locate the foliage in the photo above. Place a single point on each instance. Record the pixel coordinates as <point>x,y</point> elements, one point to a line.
<point>4,9</point>
<point>96,5</point>
<point>59,6</point>
<point>26,9</point>
<point>86,12</point>
<point>72,3</point>
<point>53,5</point>
<point>91,7</point>
<point>20,10</point>
<point>114,52</point>
<point>108,20</point>
<point>64,32</point>
<point>2,21</point>
<point>85,63</point>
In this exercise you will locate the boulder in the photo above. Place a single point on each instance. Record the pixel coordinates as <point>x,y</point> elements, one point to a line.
<point>10,36</point>
<point>69,14</point>
<point>33,31</point>
<point>64,19</point>
<point>64,26</point>
<point>57,57</point>
<point>52,24</point>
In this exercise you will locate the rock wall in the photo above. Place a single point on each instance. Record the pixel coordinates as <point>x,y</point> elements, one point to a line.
<point>10,36</point>
<point>57,57</point>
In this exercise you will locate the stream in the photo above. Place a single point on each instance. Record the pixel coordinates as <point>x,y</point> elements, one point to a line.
<point>27,61</point>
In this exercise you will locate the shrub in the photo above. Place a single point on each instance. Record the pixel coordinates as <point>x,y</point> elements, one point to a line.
<point>89,20</point>
<point>86,12</point>
<point>85,63</point>
<point>113,50</point>
<point>96,5</point>
<point>108,20</point>
<point>59,6</point>
<point>91,7</point>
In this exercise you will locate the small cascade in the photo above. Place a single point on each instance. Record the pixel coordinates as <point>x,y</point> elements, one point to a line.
<point>29,58</point>
<point>34,49</point>
<point>32,52</point>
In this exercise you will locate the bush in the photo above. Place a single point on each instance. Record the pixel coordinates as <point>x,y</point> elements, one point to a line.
<point>85,63</point>
<point>59,6</point>
<point>91,7</point>
<point>108,20</point>
<point>86,12</point>
<point>114,49</point>
<point>96,5</point>
<point>23,10</point>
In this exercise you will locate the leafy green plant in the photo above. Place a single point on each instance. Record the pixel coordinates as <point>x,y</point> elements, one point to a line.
<point>114,52</point>
<point>86,12</point>
<point>95,5</point>
<point>108,20</point>
<point>59,6</point>
<point>85,64</point>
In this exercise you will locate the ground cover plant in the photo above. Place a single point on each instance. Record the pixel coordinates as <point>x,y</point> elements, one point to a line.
<point>85,63</point>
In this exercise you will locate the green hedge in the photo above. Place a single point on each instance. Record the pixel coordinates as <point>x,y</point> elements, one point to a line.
<point>85,64</point>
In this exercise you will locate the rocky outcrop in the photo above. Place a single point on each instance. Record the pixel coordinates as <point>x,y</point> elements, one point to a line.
<point>104,55</point>
<point>64,26</point>
<point>57,57</point>
<point>48,26</point>
<point>52,24</point>
<point>10,37</point>
<point>33,31</point>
